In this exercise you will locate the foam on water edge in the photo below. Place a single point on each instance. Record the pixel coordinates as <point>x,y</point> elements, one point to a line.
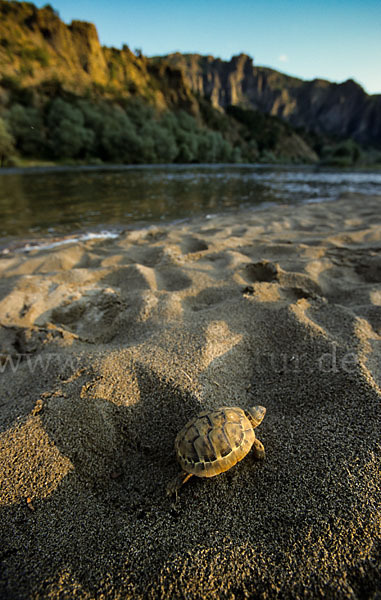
<point>71,239</point>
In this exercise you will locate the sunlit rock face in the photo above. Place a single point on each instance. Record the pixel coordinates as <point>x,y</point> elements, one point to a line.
<point>36,47</point>
<point>342,109</point>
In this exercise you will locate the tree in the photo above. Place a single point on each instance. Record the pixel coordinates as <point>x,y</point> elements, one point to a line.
<point>6,143</point>
<point>69,137</point>
<point>138,111</point>
<point>27,128</point>
<point>159,143</point>
<point>343,154</point>
<point>119,141</point>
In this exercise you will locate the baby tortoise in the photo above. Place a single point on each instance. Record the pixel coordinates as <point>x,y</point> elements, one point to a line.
<point>216,440</point>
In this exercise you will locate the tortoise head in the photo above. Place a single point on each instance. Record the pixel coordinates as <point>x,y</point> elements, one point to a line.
<point>256,414</point>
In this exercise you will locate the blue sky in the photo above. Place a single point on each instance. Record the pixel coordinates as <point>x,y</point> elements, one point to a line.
<point>334,40</point>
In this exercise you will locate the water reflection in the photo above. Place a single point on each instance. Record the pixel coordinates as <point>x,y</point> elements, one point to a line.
<point>60,201</point>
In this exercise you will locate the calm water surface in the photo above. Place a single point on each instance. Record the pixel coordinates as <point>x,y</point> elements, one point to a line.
<point>49,202</point>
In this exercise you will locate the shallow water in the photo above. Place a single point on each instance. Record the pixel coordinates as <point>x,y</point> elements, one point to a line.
<point>41,202</point>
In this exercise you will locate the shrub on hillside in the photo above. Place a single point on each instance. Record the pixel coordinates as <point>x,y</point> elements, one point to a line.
<point>26,125</point>
<point>68,136</point>
<point>6,143</point>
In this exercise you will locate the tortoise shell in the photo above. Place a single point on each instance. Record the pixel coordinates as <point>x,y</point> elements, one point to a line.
<point>216,440</point>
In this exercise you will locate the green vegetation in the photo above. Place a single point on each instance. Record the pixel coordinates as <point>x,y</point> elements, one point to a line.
<point>128,131</point>
<point>264,129</point>
<point>342,154</point>
<point>26,126</point>
<point>65,98</point>
<point>6,144</point>
<point>37,54</point>
<point>48,123</point>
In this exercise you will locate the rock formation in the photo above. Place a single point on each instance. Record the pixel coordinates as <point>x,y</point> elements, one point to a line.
<point>341,109</point>
<point>36,46</point>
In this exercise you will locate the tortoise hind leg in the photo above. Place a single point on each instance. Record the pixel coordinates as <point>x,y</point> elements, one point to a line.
<point>176,483</point>
<point>258,450</point>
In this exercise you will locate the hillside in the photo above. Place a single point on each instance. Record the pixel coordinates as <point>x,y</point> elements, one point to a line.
<point>36,46</point>
<point>64,96</point>
<point>344,109</point>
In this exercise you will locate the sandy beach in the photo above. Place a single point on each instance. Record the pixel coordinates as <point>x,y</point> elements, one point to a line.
<point>108,347</point>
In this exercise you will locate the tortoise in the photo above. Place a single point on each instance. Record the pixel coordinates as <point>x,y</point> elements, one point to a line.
<point>215,441</point>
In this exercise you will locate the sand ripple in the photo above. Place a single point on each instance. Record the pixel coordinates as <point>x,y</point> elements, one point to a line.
<point>107,346</point>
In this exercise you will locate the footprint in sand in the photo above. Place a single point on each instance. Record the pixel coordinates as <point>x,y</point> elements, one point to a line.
<point>262,271</point>
<point>294,285</point>
<point>172,279</point>
<point>211,297</point>
<point>369,268</point>
<point>192,244</point>
<point>219,260</point>
<point>94,317</point>
<point>147,256</point>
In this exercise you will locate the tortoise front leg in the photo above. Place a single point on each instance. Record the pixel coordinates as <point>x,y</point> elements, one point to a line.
<point>259,450</point>
<point>176,483</point>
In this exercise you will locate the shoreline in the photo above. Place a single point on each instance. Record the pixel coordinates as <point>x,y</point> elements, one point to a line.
<point>71,202</point>
<point>53,239</point>
<point>43,167</point>
<point>107,348</point>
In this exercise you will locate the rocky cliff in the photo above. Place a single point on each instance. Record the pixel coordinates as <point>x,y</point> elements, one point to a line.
<point>36,47</point>
<point>344,110</point>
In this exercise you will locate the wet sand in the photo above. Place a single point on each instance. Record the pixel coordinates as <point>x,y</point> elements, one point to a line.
<point>108,347</point>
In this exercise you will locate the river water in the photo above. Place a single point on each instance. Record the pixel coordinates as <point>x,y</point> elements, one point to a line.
<point>48,202</point>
